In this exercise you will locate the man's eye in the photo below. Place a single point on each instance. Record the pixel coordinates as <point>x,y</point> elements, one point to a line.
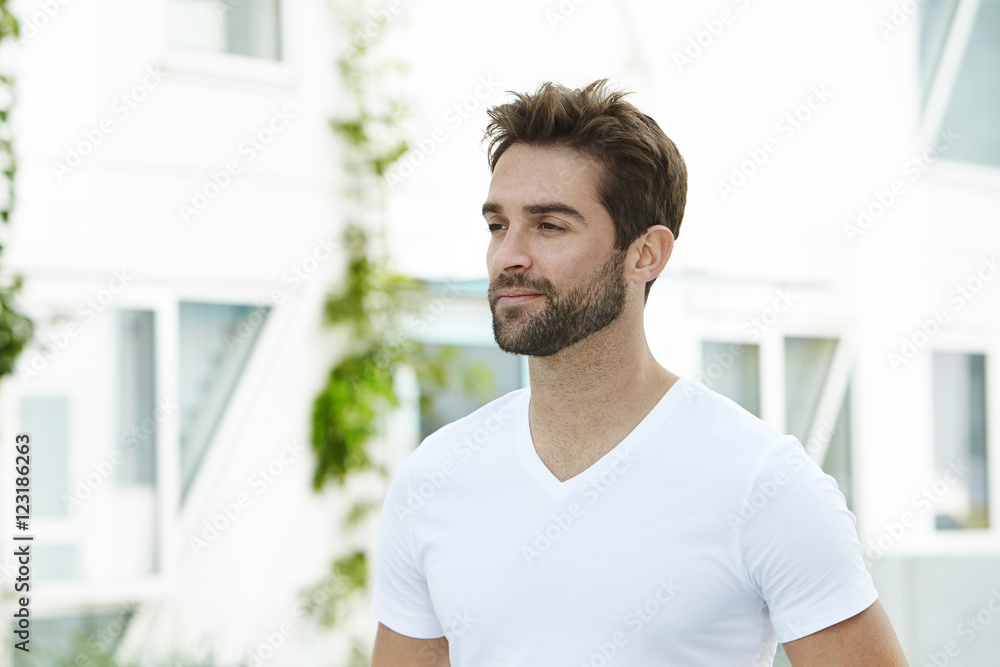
<point>549,226</point>
<point>492,227</point>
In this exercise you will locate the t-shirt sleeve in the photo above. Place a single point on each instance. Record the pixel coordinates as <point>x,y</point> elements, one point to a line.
<point>800,544</point>
<point>401,600</point>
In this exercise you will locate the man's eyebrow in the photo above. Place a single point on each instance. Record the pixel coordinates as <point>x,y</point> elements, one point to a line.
<point>555,207</point>
<point>539,209</point>
<point>490,207</point>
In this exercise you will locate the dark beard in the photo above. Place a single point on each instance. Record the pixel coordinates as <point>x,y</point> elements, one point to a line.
<point>565,319</point>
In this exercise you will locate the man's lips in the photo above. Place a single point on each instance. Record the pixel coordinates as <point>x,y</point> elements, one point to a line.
<point>517,296</point>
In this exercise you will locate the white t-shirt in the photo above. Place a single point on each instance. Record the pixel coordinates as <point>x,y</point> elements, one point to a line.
<point>701,539</point>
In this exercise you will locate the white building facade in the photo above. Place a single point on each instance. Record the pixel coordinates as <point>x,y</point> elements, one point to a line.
<point>178,225</point>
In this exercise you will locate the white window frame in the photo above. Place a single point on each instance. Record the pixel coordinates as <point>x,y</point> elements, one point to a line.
<point>974,541</point>
<point>235,68</point>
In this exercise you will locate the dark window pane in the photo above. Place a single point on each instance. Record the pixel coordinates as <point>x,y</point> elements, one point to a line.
<point>961,487</point>
<point>137,420</point>
<point>807,364</point>
<point>455,403</point>
<point>838,461</point>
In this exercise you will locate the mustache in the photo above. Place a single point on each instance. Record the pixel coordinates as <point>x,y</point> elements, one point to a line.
<point>519,281</point>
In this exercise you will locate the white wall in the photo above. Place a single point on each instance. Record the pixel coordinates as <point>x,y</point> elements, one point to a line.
<point>785,228</point>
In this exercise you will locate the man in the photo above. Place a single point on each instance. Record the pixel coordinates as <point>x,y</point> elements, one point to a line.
<point>613,513</point>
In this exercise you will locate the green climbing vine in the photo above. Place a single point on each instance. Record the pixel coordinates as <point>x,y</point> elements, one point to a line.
<point>15,329</point>
<point>370,305</point>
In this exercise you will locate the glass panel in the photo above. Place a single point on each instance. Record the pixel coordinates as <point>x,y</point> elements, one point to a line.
<point>47,421</point>
<point>254,29</point>
<point>54,561</point>
<point>839,455</point>
<point>215,345</point>
<point>936,17</point>
<point>780,659</point>
<point>137,420</point>
<point>242,27</point>
<point>74,640</point>
<point>807,364</point>
<point>807,369</point>
<point>733,370</point>
<point>974,105</point>
<point>961,486</point>
<point>454,403</point>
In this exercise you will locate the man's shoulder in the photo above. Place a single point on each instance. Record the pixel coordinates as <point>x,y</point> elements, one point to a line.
<point>719,415</point>
<point>476,428</point>
<point>718,432</point>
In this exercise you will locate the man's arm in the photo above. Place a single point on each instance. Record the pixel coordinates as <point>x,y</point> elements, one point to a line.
<point>395,650</point>
<point>866,639</point>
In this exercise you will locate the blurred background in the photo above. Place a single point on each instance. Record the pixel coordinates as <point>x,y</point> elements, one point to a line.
<point>250,242</point>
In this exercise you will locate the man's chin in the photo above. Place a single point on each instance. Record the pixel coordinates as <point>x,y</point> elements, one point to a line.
<point>511,339</point>
<point>521,348</point>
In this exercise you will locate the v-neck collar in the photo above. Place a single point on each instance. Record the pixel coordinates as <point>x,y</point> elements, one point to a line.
<point>550,483</point>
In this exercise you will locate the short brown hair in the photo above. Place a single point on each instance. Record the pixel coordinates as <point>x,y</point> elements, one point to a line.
<point>644,178</point>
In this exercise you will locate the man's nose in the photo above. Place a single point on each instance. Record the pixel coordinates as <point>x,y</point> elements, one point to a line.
<point>513,251</point>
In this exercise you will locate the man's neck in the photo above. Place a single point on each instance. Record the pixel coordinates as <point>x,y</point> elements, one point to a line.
<point>588,397</point>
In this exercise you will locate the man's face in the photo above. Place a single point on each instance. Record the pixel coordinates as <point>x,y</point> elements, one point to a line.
<point>555,274</point>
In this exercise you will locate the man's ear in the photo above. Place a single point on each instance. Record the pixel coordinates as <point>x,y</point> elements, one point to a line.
<point>651,251</point>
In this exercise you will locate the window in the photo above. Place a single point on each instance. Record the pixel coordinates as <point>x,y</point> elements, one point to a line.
<point>241,27</point>
<point>99,403</point>
<point>960,441</point>
<point>215,344</point>
<point>90,408</point>
<point>973,103</point>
